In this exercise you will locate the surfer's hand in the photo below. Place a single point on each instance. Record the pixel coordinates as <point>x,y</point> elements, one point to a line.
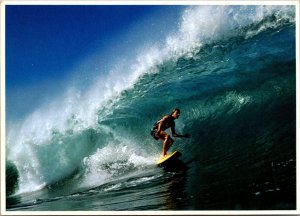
<point>186,136</point>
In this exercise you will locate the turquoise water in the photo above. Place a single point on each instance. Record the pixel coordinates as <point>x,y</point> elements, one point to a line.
<point>235,83</point>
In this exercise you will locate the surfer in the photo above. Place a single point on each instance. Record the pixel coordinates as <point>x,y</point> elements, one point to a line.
<point>158,130</point>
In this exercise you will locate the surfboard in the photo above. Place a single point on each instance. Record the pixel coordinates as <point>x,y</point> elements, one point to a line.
<point>168,158</point>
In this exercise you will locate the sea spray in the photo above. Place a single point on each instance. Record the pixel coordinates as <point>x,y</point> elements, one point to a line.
<point>112,162</point>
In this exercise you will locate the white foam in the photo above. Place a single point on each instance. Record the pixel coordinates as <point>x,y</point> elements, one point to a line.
<point>112,161</point>
<point>205,24</point>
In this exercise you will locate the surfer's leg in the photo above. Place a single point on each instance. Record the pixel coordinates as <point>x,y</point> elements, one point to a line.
<point>167,141</point>
<point>167,144</point>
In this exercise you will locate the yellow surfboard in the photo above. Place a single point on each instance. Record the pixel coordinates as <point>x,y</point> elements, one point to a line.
<point>168,158</point>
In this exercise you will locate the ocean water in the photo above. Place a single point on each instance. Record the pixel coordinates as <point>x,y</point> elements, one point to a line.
<point>233,75</point>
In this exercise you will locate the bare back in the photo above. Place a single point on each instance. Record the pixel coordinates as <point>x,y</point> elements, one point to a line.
<point>167,122</point>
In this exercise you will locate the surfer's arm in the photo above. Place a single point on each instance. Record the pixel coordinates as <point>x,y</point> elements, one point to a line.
<point>174,134</point>
<point>159,127</point>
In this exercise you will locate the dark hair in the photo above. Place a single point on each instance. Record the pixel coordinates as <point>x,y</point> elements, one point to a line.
<point>176,109</point>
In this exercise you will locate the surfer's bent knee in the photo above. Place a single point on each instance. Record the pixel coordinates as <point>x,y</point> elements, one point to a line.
<point>168,137</point>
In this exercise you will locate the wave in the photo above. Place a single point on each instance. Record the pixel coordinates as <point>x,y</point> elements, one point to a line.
<point>97,135</point>
<point>12,177</point>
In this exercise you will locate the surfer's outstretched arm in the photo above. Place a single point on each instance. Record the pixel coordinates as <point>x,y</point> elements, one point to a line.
<point>174,134</point>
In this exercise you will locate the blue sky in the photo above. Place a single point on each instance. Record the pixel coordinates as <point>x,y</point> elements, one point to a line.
<point>45,43</point>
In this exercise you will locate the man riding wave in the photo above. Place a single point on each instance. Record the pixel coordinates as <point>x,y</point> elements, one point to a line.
<point>158,130</point>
